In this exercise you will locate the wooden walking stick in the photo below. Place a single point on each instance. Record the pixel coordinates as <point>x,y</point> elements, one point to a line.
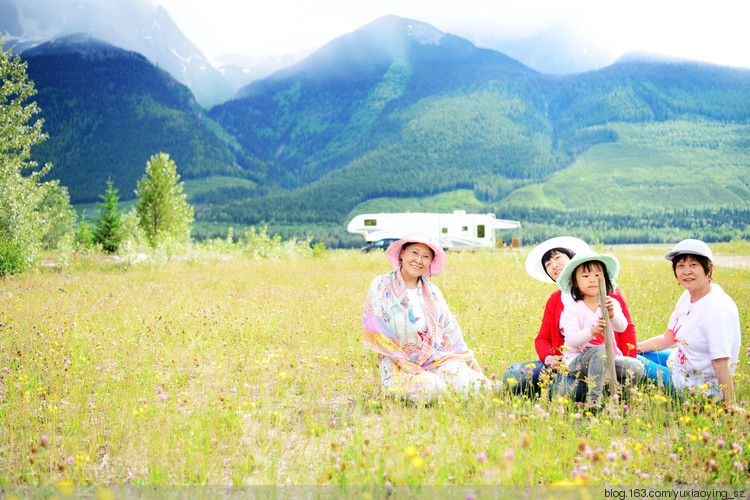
<point>609,348</point>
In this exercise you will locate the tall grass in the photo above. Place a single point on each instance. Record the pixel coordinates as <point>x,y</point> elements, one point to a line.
<point>246,371</point>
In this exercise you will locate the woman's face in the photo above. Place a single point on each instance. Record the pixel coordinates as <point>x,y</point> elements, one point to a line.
<point>690,274</point>
<point>555,265</point>
<point>415,260</point>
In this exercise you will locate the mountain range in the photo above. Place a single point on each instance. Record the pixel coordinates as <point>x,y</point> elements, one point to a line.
<point>399,111</point>
<point>136,26</point>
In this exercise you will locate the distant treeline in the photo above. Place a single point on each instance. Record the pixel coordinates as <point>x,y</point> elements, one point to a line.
<point>710,225</point>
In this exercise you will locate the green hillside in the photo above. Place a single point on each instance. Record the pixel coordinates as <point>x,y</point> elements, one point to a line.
<point>671,165</point>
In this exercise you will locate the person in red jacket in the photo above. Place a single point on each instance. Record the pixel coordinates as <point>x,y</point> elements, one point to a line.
<point>544,263</point>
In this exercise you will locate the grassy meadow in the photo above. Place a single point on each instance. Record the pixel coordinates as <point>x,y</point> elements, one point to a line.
<point>251,372</point>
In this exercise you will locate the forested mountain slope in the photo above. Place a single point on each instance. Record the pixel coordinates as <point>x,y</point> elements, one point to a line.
<point>399,109</point>
<point>107,111</point>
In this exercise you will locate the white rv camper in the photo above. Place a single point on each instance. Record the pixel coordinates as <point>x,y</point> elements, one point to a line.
<point>456,231</point>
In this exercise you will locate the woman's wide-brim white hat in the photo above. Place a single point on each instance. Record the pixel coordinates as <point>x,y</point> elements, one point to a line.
<point>534,265</point>
<point>609,261</point>
<point>393,253</point>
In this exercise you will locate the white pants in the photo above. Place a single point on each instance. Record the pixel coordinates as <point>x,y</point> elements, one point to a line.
<point>425,386</point>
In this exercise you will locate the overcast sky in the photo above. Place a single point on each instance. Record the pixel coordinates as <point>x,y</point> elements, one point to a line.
<point>708,30</point>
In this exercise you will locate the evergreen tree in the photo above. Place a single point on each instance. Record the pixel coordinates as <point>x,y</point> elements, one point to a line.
<point>162,210</point>
<point>108,227</point>
<point>29,209</point>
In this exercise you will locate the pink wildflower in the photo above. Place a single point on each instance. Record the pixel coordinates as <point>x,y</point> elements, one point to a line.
<point>510,455</point>
<point>481,457</point>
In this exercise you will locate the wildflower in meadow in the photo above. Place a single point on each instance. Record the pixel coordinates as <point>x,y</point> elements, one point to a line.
<point>625,455</point>
<point>509,455</point>
<point>481,457</point>
<point>417,462</point>
<point>45,440</point>
<point>525,441</point>
<point>739,466</point>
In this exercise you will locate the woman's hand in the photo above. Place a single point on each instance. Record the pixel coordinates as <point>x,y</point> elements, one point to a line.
<point>474,365</point>
<point>553,361</point>
<point>724,377</point>
<point>408,366</point>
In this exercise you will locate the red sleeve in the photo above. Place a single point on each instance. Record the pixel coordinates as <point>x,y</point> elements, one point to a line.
<point>548,340</point>
<point>626,340</point>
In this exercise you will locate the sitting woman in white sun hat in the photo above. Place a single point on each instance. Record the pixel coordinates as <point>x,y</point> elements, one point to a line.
<point>704,327</point>
<point>406,321</point>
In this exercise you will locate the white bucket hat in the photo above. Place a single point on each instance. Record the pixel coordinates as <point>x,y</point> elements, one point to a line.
<point>534,265</point>
<point>692,247</point>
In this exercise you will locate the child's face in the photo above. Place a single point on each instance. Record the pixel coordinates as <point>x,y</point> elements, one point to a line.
<point>587,278</point>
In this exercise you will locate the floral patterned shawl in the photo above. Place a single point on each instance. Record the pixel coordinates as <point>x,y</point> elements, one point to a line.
<point>390,329</point>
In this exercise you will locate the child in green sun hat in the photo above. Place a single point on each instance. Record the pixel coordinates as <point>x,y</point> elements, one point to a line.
<point>582,324</point>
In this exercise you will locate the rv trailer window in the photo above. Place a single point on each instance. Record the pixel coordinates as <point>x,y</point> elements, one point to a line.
<point>480,231</point>
<point>465,229</point>
<point>444,230</point>
<point>371,222</point>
